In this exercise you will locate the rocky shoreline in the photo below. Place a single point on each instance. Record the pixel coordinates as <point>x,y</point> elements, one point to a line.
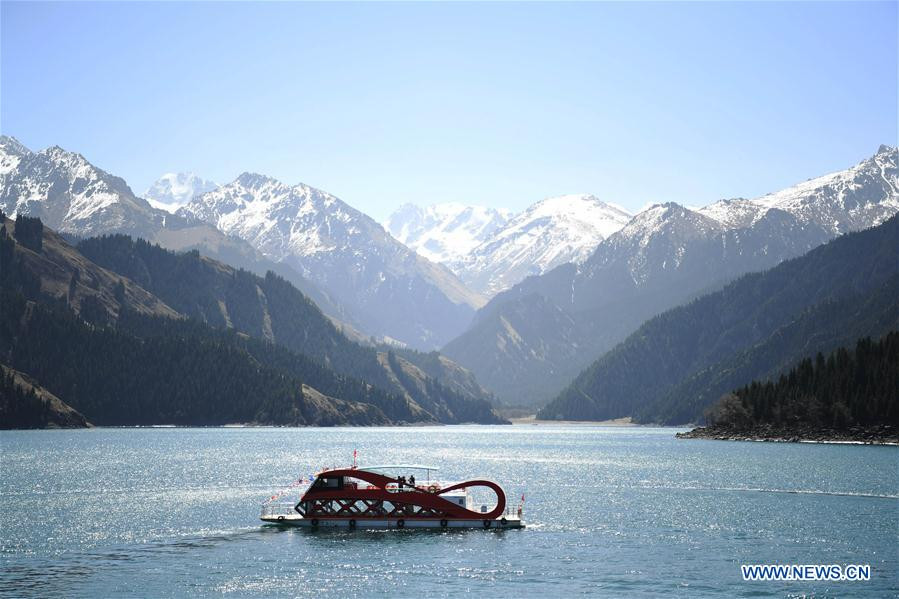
<point>871,435</point>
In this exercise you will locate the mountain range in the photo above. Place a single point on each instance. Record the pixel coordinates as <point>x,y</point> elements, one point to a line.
<point>530,341</point>
<point>567,279</point>
<point>74,197</point>
<point>125,297</point>
<point>491,251</point>
<point>341,258</point>
<point>679,363</point>
<point>394,293</point>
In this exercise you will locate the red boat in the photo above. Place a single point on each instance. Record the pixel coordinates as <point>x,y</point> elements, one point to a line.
<point>376,497</point>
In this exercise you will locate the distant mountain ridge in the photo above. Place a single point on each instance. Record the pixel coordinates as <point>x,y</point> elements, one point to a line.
<point>72,196</point>
<point>338,376</point>
<point>549,233</point>
<point>680,362</point>
<point>392,291</point>
<point>664,256</point>
<point>445,233</point>
<point>171,191</point>
<point>491,251</point>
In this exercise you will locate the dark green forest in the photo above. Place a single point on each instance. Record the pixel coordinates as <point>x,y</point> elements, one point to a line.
<point>272,309</point>
<point>680,362</point>
<point>821,328</point>
<point>849,387</point>
<point>20,408</point>
<point>183,374</point>
<point>218,366</point>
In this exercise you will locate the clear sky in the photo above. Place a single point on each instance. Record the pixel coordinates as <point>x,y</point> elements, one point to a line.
<point>499,104</point>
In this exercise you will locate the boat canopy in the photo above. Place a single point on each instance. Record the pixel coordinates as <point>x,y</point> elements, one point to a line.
<point>398,467</point>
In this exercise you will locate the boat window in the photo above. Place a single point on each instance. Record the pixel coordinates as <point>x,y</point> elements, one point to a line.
<point>329,482</point>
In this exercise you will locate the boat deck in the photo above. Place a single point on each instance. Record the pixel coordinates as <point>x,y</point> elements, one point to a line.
<point>285,515</point>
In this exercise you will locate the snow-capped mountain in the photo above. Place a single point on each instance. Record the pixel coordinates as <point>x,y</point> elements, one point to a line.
<point>70,194</point>
<point>173,190</point>
<point>862,196</point>
<point>549,233</point>
<point>663,257</point>
<point>73,196</point>
<point>445,233</point>
<point>393,291</point>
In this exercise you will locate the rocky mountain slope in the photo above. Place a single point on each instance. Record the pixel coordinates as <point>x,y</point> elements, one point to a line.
<point>552,232</point>
<point>679,363</point>
<point>270,308</point>
<point>664,256</point>
<point>45,270</point>
<point>392,291</point>
<point>72,196</point>
<point>24,404</point>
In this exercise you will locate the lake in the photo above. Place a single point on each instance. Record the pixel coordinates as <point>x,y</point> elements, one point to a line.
<point>611,511</point>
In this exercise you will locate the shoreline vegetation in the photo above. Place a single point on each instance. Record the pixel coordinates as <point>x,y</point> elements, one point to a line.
<point>861,435</point>
<point>849,396</point>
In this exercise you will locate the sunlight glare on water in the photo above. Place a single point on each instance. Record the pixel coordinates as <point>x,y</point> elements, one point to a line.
<point>610,511</point>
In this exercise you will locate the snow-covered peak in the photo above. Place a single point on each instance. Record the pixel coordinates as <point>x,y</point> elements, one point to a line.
<point>257,181</point>
<point>69,193</point>
<point>173,190</point>
<point>444,232</point>
<point>11,153</point>
<point>549,233</point>
<point>734,213</point>
<point>279,219</point>
<point>659,218</point>
<point>858,197</point>
<point>391,290</point>
<point>11,145</point>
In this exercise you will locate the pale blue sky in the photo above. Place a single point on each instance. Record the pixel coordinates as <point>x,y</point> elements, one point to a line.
<point>499,104</point>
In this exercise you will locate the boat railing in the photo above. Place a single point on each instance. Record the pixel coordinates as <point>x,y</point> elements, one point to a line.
<point>273,510</point>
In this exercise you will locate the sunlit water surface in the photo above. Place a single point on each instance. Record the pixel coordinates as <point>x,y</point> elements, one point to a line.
<point>610,512</point>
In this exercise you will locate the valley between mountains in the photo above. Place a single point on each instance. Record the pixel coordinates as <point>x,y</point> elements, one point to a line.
<point>267,302</point>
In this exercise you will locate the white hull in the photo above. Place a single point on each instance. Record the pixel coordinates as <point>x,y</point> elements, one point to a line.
<point>498,523</point>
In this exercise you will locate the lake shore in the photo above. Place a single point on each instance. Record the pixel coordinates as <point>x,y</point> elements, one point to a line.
<point>533,420</point>
<point>873,435</point>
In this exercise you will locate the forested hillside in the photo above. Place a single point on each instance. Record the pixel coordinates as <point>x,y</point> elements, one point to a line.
<point>849,387</point>
<point>821,328</point>
<point>852,394</point>
<point>686,341</point>
<point>119,354</point>
<point>25,404</point>
<point>272,309</point>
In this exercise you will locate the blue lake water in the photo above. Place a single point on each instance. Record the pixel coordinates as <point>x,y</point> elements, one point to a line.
<point>610,511</point>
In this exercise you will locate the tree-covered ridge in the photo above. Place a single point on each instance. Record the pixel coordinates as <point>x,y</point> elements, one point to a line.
<point>821,328</point>
<point>272,309</point>
<point>849,387</point>
<point>24,404</point>
<point>670,348</point>
<point>122,356</point>
<point>194,376</point>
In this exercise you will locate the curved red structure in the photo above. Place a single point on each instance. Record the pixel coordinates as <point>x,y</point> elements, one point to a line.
<point>361,494</point>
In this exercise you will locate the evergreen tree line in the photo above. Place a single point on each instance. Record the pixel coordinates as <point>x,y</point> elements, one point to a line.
<point>847,388</point>
<point>219,365</point>
<point>192,376</point>
<point>821,328</point>
<point>648,376</point>
<point>268,308</point>
<point>21,408</point>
